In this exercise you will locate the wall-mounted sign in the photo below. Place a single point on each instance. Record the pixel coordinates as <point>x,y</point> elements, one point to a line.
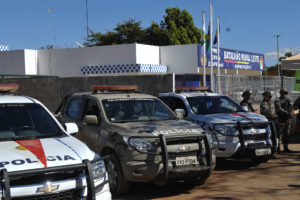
<point>232,59</point>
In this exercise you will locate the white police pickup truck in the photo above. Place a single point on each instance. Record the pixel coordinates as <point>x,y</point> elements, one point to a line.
<point>39,159</point>
<point>235,133</point>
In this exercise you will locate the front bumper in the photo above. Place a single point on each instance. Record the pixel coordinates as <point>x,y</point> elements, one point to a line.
<point>82,185</point>
<point>148,170</point>
<point>243,145</point>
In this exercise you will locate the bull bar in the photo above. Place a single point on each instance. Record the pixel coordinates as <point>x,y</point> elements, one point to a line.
<point>241,135</point>
<point>164,150</point>
<point>5,176</point>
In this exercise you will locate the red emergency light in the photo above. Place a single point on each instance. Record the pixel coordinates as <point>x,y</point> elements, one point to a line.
<point>108,88</point>
<point>192,88</point>
<point>8,88</point>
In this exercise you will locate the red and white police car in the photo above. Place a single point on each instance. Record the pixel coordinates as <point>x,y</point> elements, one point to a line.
<point>40,159</point>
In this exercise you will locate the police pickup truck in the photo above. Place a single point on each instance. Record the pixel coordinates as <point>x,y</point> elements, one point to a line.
<point>146,141</point>
<point>38,157</point>
<point>236,133</point>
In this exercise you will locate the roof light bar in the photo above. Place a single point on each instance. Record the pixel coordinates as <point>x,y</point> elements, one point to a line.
<point>8,88</point>
<point>114,88</point>
<point>192,88</point>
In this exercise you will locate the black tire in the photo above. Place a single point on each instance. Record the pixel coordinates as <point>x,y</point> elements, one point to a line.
<point>118,185</point>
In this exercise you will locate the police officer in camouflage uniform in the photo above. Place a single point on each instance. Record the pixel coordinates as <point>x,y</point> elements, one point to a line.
<point>283,110</point>
<point>246,101</point>
<point>267,107</point>
<point>268,110</point>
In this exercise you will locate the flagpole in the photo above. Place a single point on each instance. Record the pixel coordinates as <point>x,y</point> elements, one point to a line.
<point>203,49</point>
<point>218,47</point>
<point>211,55</point>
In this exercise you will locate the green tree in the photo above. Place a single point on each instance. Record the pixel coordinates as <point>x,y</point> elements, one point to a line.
<point>155,35</point>
<point>180,26</point>
<point>273,70</point>
<point>177,27</point>
<point>130,32</point>
<point>125,33</point>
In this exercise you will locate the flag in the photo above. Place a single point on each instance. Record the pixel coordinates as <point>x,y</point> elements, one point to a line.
<point>203,36</point>
<point>207,41</point>
<point>203,42</point>
<point>216,36</point>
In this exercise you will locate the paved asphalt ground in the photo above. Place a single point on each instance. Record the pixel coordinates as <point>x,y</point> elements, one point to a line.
<point>277,179</point>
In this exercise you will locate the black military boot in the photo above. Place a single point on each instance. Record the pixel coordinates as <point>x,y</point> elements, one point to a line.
<point>286,149</point>
<point>278,149</point>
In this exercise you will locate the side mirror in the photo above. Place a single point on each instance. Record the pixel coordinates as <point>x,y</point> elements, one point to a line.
<point>180,113</point>
<point>245,108</point>
<point>71,128</point>
<point>91,119</point>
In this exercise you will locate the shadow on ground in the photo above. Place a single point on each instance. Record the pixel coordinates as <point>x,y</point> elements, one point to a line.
<point>151,191</point>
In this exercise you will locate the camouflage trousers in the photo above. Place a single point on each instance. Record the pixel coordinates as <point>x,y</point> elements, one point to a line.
<point>283,133</point>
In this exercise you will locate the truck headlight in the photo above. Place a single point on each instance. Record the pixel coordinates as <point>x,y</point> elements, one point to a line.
<point>226,129</point>
<point>223,138</point>
<point>98,169</point>
<point>141,144</point>
<point>228,133</point>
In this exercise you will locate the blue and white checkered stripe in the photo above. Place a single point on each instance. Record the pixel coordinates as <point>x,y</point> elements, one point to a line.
<point>4,47</point>
<point>124,68</point>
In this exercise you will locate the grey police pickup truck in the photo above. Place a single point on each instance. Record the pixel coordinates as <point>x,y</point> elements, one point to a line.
<point>146,141</point>
<point>235,133</point>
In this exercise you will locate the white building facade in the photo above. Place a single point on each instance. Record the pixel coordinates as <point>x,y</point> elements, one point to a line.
<point>114,59</point>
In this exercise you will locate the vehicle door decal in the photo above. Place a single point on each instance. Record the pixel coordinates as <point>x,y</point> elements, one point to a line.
<point>34,146</point>
<point>68,147</point>
<point>244,116</point>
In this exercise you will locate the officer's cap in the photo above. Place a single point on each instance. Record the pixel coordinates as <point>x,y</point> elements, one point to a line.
<point>283,91</point>
<point>267,93</point>
<point>246,93</point>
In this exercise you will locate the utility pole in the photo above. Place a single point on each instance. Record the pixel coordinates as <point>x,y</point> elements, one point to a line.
<point>203,49</point>
<point>212,85</point>
<point>87,20</point>
<point>218,51</point>
<point>279,68</point>
<point>52,11</point>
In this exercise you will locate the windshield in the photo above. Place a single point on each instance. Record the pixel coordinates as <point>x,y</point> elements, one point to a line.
<point>132,110</point>
<point>26,121</point>
<point>213,105</point>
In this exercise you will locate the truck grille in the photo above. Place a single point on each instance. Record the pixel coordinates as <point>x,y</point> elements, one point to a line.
<point>262,136</point>
<point>64,195</point>
<point>182,154</point>
<point>256,126</point>
<point>36,179</point>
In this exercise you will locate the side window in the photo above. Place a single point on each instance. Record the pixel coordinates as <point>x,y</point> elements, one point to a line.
<point>167,100</point>
<point>74,108</point>
<point>179,104</point>
<point>91,108</point>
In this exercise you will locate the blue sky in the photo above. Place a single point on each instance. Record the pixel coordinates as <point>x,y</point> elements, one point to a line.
<point>245,25</point>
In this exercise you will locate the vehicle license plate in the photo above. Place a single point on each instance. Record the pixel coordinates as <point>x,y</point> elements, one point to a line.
<point>189,160</point>
<point>262,152</point>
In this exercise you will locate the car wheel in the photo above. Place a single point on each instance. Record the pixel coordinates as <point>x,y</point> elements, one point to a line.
<point>118,184</point>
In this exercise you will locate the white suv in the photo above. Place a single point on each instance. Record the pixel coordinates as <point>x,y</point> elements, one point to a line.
<point>235,133</point>
<point>39,159</point>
